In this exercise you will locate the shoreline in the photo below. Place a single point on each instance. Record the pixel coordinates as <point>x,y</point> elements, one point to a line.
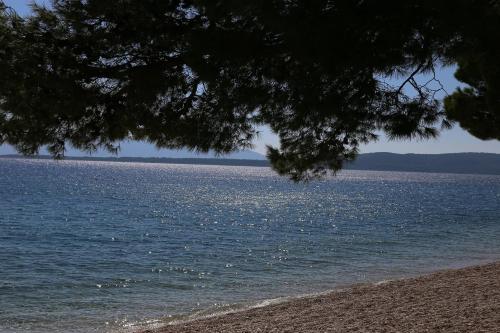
<point>451,300</point>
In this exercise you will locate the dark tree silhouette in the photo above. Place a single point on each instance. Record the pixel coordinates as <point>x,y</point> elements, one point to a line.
<point>204,74</point>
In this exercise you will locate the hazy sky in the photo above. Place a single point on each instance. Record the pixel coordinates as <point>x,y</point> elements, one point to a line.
<point>454,140</point>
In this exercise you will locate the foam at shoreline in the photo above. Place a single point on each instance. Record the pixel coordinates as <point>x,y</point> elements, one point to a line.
<point>438,291</point>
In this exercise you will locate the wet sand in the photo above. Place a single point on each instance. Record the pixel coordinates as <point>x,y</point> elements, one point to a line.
<point>463,300</point>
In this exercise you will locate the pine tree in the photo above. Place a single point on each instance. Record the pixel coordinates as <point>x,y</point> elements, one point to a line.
<point>205,74</point>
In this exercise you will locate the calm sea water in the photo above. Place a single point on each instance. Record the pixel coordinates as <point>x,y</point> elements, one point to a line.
<point>105,247</point>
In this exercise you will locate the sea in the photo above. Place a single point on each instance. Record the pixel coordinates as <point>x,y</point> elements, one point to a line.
<point>90,246</point>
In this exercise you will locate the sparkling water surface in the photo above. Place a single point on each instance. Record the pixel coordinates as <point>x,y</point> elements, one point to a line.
<point>108,247</point>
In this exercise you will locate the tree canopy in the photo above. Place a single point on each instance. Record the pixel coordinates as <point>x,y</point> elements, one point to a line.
<point>204,74</point>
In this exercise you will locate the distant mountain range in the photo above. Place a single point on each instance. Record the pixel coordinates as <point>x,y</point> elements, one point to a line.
<point>473,163</point>
<point>141,149</point>
<point>477,163</point>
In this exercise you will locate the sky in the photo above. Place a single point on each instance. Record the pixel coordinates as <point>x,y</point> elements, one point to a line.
<point>450,141</point>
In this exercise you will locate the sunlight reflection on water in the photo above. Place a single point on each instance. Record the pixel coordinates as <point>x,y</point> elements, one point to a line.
<point>83,244</point>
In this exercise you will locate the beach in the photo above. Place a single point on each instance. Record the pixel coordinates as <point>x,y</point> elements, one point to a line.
<point>458,300</point>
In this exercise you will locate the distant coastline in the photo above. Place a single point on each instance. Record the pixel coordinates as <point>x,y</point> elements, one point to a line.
<point>461,163</point>
<point>166,160</point>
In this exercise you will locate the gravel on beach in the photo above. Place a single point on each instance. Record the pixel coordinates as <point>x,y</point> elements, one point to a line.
<point>460,300</point>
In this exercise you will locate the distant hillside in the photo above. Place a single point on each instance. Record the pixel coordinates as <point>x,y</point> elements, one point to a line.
<point>168,160</point>
<point>141,149</point>
<point>474,163</point>
<point>478,163</point>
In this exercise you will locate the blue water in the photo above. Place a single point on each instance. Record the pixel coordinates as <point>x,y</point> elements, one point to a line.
<point>106,247</point>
